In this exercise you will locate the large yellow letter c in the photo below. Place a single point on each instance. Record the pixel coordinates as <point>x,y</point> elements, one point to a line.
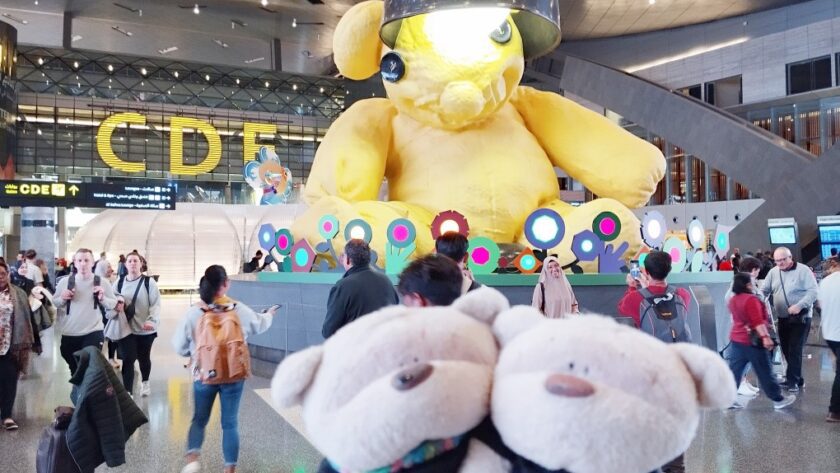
<point>103,141</point>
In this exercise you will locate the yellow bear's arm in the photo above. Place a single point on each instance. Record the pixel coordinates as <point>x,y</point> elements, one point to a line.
<point>608,160</point>
<point>350,163</point>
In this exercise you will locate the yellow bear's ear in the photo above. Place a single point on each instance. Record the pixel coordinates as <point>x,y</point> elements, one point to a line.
<point>356,45</point>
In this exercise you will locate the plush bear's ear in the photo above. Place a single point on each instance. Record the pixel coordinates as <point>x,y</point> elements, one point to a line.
<point>714,381</point>
<point>294,375</point>
<point>357,48</point>
<point>516,320</point>
<point>483,304</point>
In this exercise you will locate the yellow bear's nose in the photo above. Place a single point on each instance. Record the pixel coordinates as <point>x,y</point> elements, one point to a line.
<point>461,101</point>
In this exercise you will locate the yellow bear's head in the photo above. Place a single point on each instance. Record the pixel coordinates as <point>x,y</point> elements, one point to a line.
<point>448,69</point>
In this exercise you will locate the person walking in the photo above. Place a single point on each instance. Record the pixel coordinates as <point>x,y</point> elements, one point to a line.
<point>85,297</point>
<point>121,268</point>
<point>455,245</point>
<point>17,337</point>
<point>138,300</point>
<point>216,306</point>
<point>794,290</point>
<point>751,266</point>
<point>553,295</point>
<point>359,292</point>
<point>45,274</point>
<point>829,297</point>
<point>750,321</point>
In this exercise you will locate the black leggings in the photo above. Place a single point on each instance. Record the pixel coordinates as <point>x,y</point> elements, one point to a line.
<point>8,385</point>
<point>70,345</point>
<point>112,349</point>
<point>136,348</point>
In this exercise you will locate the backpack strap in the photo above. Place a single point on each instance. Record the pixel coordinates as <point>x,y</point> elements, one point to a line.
<point>648,297</point>
<point>71,284</point>
<point>542,302</point>
<point>120,283</point>
<point>97,282</point>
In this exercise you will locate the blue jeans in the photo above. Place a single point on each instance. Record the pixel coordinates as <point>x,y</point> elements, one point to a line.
<point>740,355</point>
<point>205,395</point>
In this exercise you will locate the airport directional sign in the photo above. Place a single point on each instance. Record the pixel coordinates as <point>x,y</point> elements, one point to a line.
<point>75,194</point>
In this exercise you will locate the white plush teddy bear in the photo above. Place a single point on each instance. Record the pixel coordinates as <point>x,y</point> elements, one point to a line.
<point>400,389</point>
<point>588,395</point>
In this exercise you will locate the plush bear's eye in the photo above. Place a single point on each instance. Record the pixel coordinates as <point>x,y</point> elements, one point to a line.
<point>572,366</point>
<point>502,34</point>
<point>586,370</point>
<point>392,67</point>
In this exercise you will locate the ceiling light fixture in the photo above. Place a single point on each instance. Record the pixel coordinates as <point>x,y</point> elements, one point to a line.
<point>237,81</point>
<point>14,18</point>
<point>220,43</point>
<point>168,50</point>
<point>234,23</point>
<point>176,74</point>
<point>651,2</point>
<point>76,37</point>
<point>256,59</point>
<point>321,90</point>
<point>296,23</point>
<point>264,3</point>
<point>266,83</point>
<point>122,31</point>
<point>143,71</point>
<point>110,68</point>
<point>75,64</point>
<point>207,77</point>
<point>131,9</point>
<point>294,86</point>
<point>40,61</point>
<point>196,10</point>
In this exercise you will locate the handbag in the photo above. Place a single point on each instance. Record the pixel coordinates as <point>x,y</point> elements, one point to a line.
<point>799,315</point>
<point>130,308</point>
<point>755,337</point>
<point>117,328</point>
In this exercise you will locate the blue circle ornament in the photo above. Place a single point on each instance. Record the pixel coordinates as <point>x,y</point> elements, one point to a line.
<point>266,236</point>
<point>358,229</point>
<point>401,233</point>
<point>328,227</point>
<point>544,229</point>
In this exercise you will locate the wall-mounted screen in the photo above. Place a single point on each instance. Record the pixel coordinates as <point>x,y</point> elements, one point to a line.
<point>782,235</point>
<point>829,238</point>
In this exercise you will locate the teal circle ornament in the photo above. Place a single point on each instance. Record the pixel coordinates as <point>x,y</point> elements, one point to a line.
<point>401,233</point>
<point>328,227</point>
<point>676,249</point>
<point>284,241</point>
<point>484,255</point>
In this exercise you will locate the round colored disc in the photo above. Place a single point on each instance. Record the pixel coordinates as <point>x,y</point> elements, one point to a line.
<point>358,229</point>
<point>676,248</point>
<point>484,255</point>
<point>607,226</point>
<point>328,227</point>
<point>401,233</point>
<point>284,241</point>
<point>544,229</point>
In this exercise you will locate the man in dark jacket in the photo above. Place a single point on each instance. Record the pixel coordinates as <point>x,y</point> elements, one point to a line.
<point>105,415</point>
<point>360,291</point>
<point>455,245</point>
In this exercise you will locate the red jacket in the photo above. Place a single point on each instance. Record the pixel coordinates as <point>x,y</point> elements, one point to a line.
<point>747,310</point>
<point>630,303</point>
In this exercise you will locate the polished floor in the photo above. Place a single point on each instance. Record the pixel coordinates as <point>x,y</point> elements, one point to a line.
<point>755,439</point>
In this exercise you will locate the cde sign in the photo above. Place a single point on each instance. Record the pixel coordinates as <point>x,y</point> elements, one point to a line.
<point>176,143</point>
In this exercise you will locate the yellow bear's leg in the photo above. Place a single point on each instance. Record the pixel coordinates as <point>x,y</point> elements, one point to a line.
<point>378,214</point>
<point>580,218</point>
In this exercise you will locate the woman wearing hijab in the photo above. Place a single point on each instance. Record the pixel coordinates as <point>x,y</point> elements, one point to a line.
<point>553,295</point>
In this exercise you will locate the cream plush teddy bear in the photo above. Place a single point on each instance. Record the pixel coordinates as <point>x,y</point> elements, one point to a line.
<point>400,389</point>
<point>458,132</point>
<point>588,395</point>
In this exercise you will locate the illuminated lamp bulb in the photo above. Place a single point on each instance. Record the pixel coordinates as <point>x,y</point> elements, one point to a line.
<point>357,233</point>
<point>586,246</point>
<point>545,228</point>
<point>196,10</point>
<point>449,226</point>
<point>463,34</point>
<point>654,229</point>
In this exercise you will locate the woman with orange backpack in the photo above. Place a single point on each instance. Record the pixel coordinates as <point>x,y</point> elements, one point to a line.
<point>213,334</point>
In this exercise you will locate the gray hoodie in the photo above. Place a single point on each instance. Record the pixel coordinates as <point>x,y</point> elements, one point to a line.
<point>147,305</point>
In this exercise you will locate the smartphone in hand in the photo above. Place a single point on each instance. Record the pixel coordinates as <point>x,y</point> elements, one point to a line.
<point>635,270</point>
<point>273,308</point>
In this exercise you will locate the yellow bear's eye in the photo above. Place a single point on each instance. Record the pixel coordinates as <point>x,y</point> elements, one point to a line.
<point>501,34</point>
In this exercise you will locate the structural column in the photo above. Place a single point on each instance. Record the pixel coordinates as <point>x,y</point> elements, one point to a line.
<point>37,232</point>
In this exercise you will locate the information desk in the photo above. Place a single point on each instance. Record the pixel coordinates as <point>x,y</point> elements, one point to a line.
<point>303,296</point>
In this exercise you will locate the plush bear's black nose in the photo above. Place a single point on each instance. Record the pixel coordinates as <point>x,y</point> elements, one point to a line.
<point>568,386</point>
<point>411,377</point>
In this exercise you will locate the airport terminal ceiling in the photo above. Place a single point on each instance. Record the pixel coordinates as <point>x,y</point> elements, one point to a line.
<point>242,32</point>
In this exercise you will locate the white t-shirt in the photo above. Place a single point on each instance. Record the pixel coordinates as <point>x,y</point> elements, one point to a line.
<point>829,297</point>
<point>33,273</point>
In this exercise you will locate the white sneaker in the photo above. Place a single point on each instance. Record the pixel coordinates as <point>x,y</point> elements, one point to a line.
<point>145,389</point>
<point>786,401</point>
<point>192,467</point>
<point>751,386</point>
<point>746,390</point>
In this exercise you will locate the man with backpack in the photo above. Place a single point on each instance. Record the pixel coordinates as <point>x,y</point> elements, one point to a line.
<point>660,310</point>
<point>84,297</point>
<point>657,308</point>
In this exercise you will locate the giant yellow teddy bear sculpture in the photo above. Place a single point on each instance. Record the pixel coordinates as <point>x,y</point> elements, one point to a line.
<point>457,132</point>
